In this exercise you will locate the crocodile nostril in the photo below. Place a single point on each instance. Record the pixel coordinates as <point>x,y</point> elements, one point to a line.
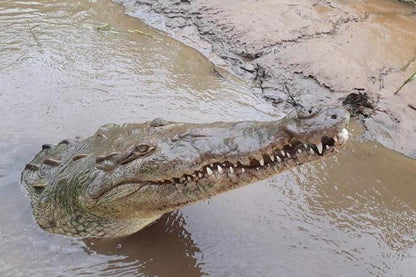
<point>308,112</point>
<point>334,116</point>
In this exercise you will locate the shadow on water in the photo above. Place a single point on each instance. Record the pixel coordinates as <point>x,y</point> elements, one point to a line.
<point>165,248</point>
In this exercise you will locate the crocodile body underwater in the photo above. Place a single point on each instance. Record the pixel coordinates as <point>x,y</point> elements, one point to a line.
<point>125,177</point>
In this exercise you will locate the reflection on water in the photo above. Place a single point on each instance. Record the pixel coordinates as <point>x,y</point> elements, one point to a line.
<point>163,249</point>
<point>353,214</point>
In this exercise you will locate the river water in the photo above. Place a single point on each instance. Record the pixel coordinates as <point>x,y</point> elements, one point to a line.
<point>350,215</point>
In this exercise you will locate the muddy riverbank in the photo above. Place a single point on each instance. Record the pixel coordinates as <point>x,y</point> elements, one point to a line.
<point>308,52</point>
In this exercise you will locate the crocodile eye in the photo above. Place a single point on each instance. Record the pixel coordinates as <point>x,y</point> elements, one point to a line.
<point>135,152</point>
<point>143,148</point>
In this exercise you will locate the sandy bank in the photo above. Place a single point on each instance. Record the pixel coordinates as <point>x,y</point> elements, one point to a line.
<point>312,52</point>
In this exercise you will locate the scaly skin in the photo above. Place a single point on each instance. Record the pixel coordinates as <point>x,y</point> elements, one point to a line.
<point>122,178</point>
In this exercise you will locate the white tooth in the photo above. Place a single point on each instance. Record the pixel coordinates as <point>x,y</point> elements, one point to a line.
<point>320,147</point>
<point>299,151</point>
<point>306,145</point>
<point>220,170</point>
<point>271,158</point>
<point>311,150</point>
<point>278,159</point>
<point>327,147</point>
<point>194,175</point>
<point>231,170</point>
<point>243,170</point>
<point>200,175</point>
<point>283,153</point>
<point>343,136</point>
<point>189,179</point>
<point>335,138</point>
<point>288,155</point>
<point>212,165</point>
<point>262,162</point>
<point>182,180</point>
<point>209,171</point>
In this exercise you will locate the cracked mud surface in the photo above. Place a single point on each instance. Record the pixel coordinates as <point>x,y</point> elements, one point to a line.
<point>307,52</point>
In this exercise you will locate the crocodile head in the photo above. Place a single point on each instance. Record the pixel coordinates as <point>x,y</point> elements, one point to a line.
<point>125,177</point>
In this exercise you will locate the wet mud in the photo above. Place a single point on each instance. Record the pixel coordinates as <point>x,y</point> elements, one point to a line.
<point>353,214</point>
<point>313,51</point>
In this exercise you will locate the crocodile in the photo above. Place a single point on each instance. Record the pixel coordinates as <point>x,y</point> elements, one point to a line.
<point>125,177</point>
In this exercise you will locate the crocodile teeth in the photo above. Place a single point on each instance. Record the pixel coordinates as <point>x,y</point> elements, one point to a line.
<point>209,171</point>
<point>279,156</point>
<point>320,147</point>
<point>343,136</point>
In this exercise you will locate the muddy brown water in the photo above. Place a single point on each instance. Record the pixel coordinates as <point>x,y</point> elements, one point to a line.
<point>350,215</point>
